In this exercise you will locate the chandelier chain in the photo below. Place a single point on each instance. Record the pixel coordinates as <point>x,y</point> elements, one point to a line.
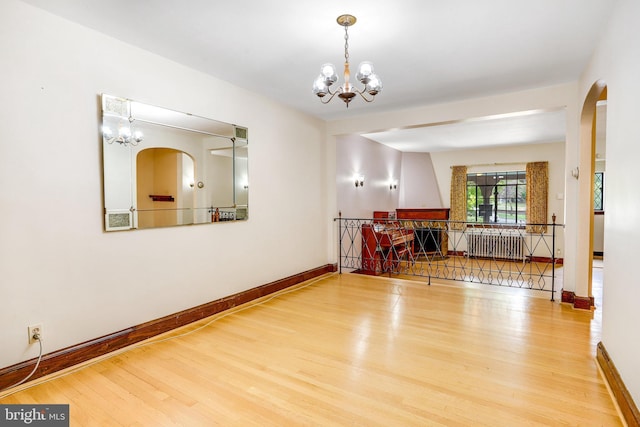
<point>346,43</point>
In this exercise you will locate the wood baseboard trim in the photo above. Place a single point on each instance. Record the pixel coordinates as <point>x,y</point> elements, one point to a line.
<point>547,260</point>
<point>582,303</point>
<point>79,353</point>
<point>620,393</point>
<point>568,296</point>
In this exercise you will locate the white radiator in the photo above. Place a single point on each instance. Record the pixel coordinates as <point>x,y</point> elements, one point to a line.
<point>496,245</point>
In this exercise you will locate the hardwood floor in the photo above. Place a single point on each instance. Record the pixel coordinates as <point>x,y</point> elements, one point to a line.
<point>354,350</point>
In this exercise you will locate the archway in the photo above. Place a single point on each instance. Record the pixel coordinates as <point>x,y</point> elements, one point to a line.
<point>586,172</point>
<point>164,187</point>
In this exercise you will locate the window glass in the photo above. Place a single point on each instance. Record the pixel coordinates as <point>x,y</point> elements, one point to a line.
<point>598,192</point>
<point>497,197</point>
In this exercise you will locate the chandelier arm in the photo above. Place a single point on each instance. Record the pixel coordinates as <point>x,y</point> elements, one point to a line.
<point>362,92</point>
<point>330,98</point>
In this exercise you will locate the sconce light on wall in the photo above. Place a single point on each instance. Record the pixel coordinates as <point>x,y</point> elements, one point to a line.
<point>359,180</point>
<point>575,172</point>
<point>393,185</point>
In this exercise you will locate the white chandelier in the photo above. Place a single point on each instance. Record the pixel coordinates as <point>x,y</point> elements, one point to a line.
<point>346,92</point>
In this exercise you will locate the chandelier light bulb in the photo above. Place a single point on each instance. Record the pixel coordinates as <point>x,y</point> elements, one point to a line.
<point>365,71</point>
<point>138,136</point>
<point>374,85</point>
<point>328,71</point>
<point>320,88</point>
<point>124,133</point>
<point>107,132</point>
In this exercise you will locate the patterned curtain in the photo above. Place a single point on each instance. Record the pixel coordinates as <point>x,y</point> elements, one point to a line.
<point>458,202</point>
<point>537,189</point>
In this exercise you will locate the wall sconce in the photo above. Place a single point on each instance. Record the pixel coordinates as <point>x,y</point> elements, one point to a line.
<point>393,185</point>
<point>575,172</point>
<point>359,179</point>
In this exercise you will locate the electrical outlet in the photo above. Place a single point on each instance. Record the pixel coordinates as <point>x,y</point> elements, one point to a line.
<point>34,330</point>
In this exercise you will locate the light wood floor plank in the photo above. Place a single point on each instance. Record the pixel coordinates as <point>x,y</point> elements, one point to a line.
<point>354,350</point>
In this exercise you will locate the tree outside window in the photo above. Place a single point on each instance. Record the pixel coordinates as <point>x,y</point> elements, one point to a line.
<point>497,197</point>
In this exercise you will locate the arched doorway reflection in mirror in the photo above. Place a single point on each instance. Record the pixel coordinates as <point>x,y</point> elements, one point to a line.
<point>164,187</point>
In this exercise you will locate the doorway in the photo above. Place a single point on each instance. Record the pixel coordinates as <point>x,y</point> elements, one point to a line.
<point>591,188</point>
<point>164,181</point>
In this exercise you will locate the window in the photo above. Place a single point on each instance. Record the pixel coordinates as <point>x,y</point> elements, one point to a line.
<point>598,192</point>
<point>497,197</point>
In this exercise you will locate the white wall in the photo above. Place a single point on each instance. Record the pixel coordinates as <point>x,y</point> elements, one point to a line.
<point>413,174</point>
<point>356,155</point>
<point>617,61</point>
<point>419,186</point>
<point>57,265</point>
<point>598,233</point>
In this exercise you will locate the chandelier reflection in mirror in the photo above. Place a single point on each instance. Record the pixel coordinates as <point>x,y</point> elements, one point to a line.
<point>119,109</point>
<point>125,135</point>
<point>346,92</point>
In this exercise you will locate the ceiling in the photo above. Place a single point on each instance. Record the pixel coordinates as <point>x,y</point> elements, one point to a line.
<point>425,51</point>
<point>508,129</point>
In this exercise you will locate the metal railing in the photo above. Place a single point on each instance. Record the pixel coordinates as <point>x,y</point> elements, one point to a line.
<point>492,254</point>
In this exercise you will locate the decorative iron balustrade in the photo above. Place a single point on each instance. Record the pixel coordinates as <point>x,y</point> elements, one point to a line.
<point>450,250</point>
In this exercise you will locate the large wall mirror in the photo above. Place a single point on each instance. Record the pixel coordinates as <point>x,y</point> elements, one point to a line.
<point>165,168</point>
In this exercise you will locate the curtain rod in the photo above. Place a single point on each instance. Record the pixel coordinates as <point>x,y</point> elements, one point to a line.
<point>491,164</point>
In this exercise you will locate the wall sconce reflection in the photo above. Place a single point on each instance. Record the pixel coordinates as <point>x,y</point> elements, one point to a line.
<point>359,179</point>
